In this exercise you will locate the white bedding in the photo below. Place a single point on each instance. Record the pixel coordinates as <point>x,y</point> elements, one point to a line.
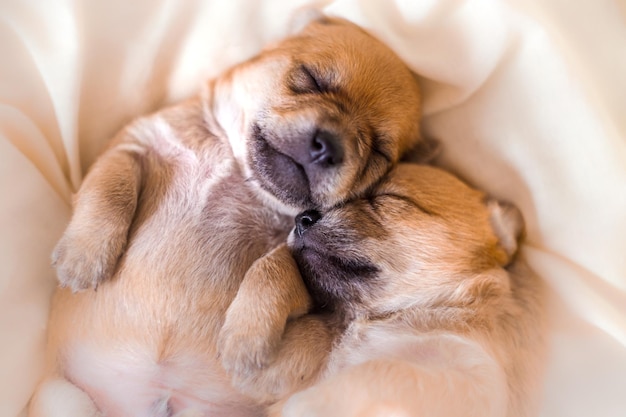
<point>528,97</point>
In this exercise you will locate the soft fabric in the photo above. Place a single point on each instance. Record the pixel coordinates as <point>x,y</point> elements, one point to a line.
<point>528,98</point>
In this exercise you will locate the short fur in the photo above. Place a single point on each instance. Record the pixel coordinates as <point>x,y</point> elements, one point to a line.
<point>174,213</point>
<point>419,287</point>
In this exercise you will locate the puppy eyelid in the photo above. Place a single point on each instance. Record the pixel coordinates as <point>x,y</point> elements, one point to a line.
<point>304,80</point>
<point>307,71</point>
<point>374,207</point>
<point>409,201</point>
<point>375,215</point>
<point>373,204</point>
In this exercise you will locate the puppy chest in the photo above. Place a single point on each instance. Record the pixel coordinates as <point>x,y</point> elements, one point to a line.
<point>202,220</point>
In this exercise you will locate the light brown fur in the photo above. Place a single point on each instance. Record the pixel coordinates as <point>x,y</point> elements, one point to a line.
<point>182,203</point>
<point>430,308</point>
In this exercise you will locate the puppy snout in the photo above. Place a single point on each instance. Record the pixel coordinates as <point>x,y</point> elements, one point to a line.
<point>326,150</point>
<point>305,220</point>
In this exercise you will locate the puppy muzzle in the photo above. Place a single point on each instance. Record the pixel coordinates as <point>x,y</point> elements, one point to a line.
<point>306,220</point>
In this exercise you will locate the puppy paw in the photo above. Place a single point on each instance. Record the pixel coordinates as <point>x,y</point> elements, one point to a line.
<point>271,294</point>
<point>83,261</point>
<point>244,352</point>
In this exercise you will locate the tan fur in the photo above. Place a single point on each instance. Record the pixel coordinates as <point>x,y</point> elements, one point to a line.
<point>450,324</point>
<point>184,201</point>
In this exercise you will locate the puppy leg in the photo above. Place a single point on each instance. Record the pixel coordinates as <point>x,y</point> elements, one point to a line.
<point>267,344</point>
<point>271,293</point>
<point>299,361</point>
<point>60,398</point>
<point>104,208</point>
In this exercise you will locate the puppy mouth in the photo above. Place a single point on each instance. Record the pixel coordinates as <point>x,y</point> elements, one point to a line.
<point>278,173</point>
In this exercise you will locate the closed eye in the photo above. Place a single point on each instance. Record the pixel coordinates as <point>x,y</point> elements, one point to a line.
<point>374,204</point>
<point>376,210</point>
<point>306,80</point>
<point>404,199</point>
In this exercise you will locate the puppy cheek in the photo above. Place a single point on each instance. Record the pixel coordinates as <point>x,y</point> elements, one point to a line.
<point>336,186</point>
<point>329,190</point>
<point>239,96</point>
<point>355,177</point>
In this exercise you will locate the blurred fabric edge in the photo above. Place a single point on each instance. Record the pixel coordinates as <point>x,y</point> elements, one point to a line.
<point>527,96</point>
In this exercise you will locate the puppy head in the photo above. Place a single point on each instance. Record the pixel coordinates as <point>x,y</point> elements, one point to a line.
<point>320,117</point>
<point>421,236</point>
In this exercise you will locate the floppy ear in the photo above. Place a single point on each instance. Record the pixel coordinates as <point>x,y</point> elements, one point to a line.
<point>104,207</point>
<point>508,226</point>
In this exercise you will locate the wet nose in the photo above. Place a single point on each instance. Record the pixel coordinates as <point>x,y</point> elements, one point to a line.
<point>326,150</point>
<point>305,220</point>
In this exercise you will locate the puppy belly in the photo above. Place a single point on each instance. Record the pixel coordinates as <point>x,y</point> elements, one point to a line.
<point>126,380</point>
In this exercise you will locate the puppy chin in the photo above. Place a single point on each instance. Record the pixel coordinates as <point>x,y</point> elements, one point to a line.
<point>278,174</point>
<point>270,200</point>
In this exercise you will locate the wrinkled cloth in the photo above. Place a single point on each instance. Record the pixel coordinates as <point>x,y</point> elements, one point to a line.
<point>527,97</point>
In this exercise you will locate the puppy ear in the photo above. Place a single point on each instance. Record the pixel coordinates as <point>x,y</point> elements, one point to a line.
<point>508,225</point>
<point>305,15</point>
<point>424,152</point>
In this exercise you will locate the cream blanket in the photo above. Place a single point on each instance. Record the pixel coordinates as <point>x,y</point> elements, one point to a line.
<point>528,97</point>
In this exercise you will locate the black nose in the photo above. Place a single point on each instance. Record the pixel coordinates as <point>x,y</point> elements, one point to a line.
<point>305,220</point>
<point>326,149</point>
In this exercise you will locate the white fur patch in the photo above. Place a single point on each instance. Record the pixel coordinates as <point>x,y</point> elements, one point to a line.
<point>156,133</point>
<point>131,148</point>
<point>60,398</point>
<point>229,108</point>
<point>129,381</point>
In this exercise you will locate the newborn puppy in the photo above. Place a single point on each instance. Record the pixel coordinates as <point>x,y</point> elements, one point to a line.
<point>174,213</point>
<point>429,311</point>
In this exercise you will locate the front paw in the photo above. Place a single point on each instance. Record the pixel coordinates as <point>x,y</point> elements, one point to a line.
<point>244,351</point>
<point>83,262</point>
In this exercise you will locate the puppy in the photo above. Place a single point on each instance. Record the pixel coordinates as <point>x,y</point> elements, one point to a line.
<point>174,213</point>
<point>428,309</point>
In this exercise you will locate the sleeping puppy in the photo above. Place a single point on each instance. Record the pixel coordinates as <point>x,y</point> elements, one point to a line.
<point>429,311</point>
<point>174,213</point>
